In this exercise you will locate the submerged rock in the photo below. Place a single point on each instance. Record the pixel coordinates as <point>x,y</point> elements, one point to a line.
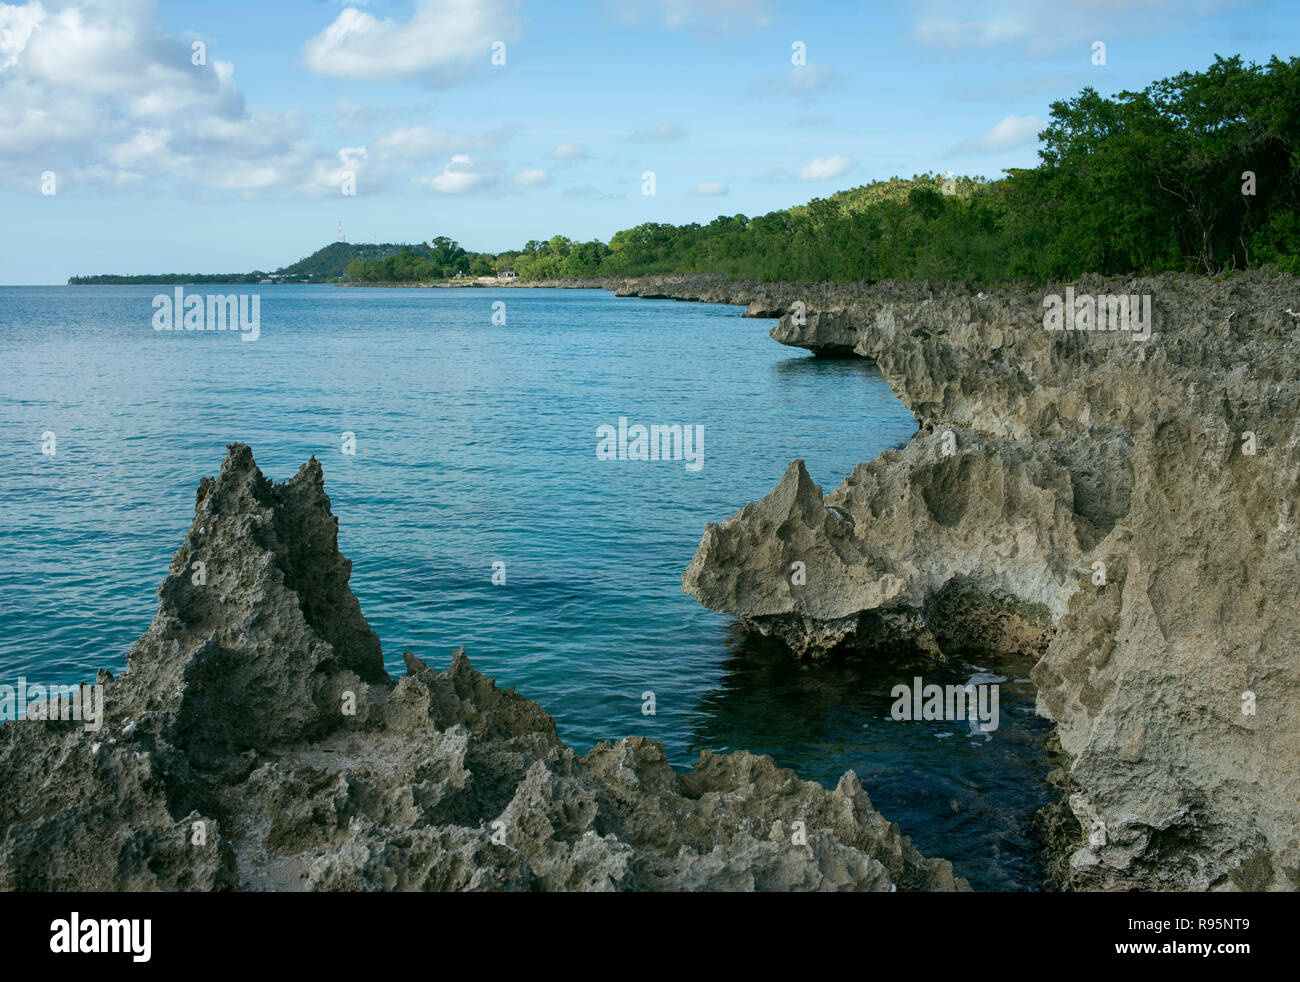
<point>1127,509</point>
<point>256,743</point>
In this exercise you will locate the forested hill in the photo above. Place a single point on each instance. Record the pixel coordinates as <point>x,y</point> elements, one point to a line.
<point>330,262</point>
<point>1199,173</point>
<point>325,265</point>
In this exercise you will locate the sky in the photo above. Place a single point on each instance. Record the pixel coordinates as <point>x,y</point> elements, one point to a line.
<point>142,137</point>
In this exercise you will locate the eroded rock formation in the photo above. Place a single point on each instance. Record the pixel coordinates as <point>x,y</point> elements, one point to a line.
<point>256,743</point>
<point>1127,508</point>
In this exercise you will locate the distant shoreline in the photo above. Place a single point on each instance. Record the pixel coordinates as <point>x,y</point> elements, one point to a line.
<point>454,285</point>
<point>444,284</point>
<point>326,265</point>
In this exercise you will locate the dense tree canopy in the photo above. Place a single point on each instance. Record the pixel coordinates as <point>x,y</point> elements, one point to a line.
<point>1199,172</point>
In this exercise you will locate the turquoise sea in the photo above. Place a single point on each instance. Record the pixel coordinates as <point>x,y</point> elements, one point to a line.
<point>475,444</point>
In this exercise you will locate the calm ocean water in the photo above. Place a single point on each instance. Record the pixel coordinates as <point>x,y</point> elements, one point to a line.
<point>475,444</point>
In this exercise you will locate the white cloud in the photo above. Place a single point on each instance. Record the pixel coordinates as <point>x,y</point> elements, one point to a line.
<point>410,143</point>
<point>825,168</point>
<point>817,169</point>
<point>534,178</point>
<point>417,142</point>
<point>663,133</point>
<point>569,151</point>
<point>100,94</point>
<point>709,188</point>
<point>348,164</point>
<point>145,145</point>
<point>442,42</point>
<point>16,27</point>
<point>1011,131</point>
<point>351,118</point>
<point>458,177</point>
<point>953,32</point>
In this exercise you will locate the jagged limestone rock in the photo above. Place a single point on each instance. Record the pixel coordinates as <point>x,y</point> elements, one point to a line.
<point>1127,508</point>
<point>256,743</point>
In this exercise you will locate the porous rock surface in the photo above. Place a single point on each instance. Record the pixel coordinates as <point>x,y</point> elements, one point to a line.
<point>1085,496</point>
<point>257,743</point>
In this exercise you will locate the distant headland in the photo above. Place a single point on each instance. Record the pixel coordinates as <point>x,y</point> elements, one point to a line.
<point>325,265</point>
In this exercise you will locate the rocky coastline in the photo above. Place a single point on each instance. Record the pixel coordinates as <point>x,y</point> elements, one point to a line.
<point>257,743</point>
<point>1123,509</point>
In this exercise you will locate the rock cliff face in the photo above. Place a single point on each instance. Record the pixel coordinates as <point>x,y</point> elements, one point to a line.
<point>1126,508</point>
<point>256,743</point>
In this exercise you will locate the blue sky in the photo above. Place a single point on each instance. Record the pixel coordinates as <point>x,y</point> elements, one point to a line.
<point>162,165</point>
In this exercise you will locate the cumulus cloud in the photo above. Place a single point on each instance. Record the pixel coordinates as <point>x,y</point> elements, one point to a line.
<point>347,165</point>
<point>1011,131</point>
<point>534,178</point>
<point>663,133</point>
<point>817,169</point>
<point>99,93</point>
<point>442,42</point>
<point>144,145</point>
<point>462,176</point>
<point>947,31</point>
<point>16,27</point>
<point>351,118</point>
<point>388,159</point>
<point>825,168</point>
<point>710,188</point>
<point>569,151</point>
<point>419,142</point>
